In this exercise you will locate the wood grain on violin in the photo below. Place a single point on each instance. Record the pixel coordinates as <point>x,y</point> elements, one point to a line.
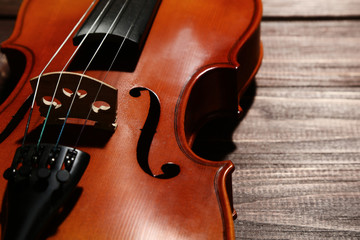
<point>143,181</point>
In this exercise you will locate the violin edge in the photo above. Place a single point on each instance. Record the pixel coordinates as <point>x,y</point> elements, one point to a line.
<point>238,64</point>
<point>248,45</point>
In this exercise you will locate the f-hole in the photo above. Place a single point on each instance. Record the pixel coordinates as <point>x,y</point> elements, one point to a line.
<point>148,131</point>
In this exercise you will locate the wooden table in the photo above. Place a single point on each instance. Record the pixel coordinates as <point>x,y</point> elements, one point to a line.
<point>297,148</point>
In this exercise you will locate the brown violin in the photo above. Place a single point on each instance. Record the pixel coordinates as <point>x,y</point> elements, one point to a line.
<point>106,101</point>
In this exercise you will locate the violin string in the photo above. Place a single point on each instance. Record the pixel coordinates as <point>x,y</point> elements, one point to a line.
<point>47,65</point>
<point>86,68</point>
<point>65,66</point>
<point>98,92</point>
<point>107,72</point>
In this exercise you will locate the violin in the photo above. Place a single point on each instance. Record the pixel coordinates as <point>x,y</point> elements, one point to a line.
<point>107,99</point>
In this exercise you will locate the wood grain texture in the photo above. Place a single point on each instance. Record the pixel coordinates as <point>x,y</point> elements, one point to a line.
<point>311,8</point>
<point>310,53</point>
<point>297,150</point>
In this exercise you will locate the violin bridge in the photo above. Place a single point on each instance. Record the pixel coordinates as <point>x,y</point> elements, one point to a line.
<point>95,101</point>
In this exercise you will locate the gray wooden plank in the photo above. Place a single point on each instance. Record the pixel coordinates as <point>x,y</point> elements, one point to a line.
<point>300,121</point>
<point>310,53</point>
<point>311,8</point>
<point>297,159</point>
<point>263,231</point>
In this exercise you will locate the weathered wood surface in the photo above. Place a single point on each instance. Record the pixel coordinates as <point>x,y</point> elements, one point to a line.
<point>311,8</point>
<point>310,54</point>
<point>297,149</point>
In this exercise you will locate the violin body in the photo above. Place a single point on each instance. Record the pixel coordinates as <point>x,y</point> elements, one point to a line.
<point>197,60</point>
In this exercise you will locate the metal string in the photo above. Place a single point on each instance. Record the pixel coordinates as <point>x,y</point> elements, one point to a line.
<point>52,58</point>
<point>86,68</point>
<point>98,92</point>
<point>83,74</point>
<point>110,67</point>
<point>62,71</point>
